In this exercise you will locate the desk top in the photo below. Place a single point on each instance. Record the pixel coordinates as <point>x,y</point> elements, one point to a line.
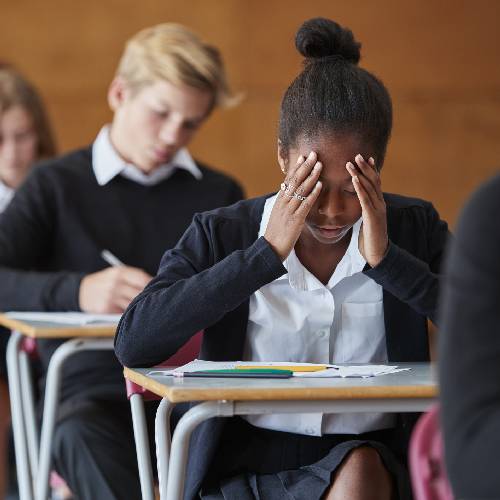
<point>419,382</point>
<point>47,329</point>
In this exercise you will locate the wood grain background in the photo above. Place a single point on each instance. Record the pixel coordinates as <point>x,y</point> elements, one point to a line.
<point>439,59</point>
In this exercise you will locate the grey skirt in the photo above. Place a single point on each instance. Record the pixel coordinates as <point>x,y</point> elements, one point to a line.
<point>258,464</point>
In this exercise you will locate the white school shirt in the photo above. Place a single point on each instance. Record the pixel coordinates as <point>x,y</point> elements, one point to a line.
<point>6,195</point>
<point>107,164</point>
<point>296,318</point>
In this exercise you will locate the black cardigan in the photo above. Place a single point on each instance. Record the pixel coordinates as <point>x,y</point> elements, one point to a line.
<point>205,283</point>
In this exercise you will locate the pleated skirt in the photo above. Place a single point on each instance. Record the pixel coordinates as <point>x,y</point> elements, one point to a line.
<point>259,464</point>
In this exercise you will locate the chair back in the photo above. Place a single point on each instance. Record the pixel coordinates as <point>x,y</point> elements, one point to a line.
<point>426,459</point>
<point>185,354</point>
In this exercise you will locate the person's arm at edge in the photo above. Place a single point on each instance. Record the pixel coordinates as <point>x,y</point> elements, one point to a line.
<point>469,349</point>
<point>25,238</point>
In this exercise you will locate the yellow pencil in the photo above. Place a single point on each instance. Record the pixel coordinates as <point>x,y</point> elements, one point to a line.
<point>293,368</point>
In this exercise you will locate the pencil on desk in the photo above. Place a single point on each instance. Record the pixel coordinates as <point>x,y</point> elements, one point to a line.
<point>293,368</point>
<point>239,373</point>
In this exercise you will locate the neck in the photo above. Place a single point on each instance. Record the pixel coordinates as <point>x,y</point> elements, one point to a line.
<point>319,258</point>
<point>116,143</point>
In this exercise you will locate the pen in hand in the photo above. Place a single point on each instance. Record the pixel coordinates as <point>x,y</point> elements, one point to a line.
<point>111,259</point>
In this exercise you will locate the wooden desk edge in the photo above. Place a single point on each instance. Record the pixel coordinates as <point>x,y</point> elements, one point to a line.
<point>57,332</point>
<point>180,395</point>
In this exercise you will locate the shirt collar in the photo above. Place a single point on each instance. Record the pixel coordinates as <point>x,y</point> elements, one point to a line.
<point>299,277</point>
<point>6,194</point>
<point>107,164</point>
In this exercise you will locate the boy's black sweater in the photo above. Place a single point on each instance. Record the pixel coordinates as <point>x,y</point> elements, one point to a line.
<point>60,220</point>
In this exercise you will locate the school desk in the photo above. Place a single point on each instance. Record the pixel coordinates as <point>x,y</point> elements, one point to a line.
<point>33,455</point>
<point>407,391</point>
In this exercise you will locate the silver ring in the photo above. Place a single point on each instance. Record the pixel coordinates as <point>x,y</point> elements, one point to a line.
<point>298,196</point>
<point>284,186</point>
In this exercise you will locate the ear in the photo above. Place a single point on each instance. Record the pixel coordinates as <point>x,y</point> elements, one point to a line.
<point>117,93</point>
<point>282,158</point>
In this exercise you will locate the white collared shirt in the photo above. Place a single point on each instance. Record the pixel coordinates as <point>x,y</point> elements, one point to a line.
<point>297,318</point>
<point>6,195</point>
<point>107,164</point>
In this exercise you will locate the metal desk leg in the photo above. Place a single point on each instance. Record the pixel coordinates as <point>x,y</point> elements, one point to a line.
<point>30,420</point>
<point>15,390</point>
<point>142,446</point>
<point>162,438</point>
<point>180,442</point>
<point>52,387</point>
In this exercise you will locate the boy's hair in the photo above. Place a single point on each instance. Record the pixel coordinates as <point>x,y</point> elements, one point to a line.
<point>15,90</point>
<point>333,94</point>
<point>175,54</point>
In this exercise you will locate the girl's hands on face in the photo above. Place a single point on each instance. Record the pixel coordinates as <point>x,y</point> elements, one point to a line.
<point>373,238</point>
<point>298,193</point>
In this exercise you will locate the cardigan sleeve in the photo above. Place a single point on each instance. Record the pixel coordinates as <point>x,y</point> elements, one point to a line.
<point>26,231</point>
<point>198,283</point>
<point>411,277</point>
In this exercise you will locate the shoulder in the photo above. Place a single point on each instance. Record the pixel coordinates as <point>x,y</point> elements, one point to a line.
<point>405,208</point>
<point>475,222</point>
<point>247,211</point>
<point>73,165</point>
<point>397,202</point>
<point>214,176</point>
<point>485,200</point>
<point>225,229</point>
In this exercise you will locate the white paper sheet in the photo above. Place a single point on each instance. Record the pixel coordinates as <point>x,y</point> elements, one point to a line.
<point>333,371</point>
<point>66,318</point>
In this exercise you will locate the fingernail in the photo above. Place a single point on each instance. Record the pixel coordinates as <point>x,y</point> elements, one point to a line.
<point>349,165</point>
<point>371,160</point>
<point>359,157</point>
<point>355,178</point>
<point>300,159</point>
<point>317,166</point>
<point>311,154</point>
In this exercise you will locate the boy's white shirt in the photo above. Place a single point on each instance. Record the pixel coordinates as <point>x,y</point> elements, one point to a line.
<point>107,164</point>
<point>6,195</point>
<point>297,318</point>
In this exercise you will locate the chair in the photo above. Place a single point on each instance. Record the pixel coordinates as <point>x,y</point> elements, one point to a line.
<point>136,395</point>
<point>426,459</point>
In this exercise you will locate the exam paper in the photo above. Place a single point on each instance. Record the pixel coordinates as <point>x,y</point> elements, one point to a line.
<point>333,371</point>
<point>66,318</point>
<point>352,371</point>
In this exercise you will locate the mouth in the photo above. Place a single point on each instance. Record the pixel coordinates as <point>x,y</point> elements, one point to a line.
<point>163,155</point>
<point>330,231</point>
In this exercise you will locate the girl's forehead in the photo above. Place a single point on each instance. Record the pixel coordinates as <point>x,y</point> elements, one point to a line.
<point>332,145</point>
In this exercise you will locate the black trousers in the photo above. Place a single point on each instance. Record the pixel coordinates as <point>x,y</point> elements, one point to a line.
<point>94,450</point>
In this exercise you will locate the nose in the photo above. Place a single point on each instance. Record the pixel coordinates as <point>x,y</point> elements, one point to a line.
<point>170,132</point>
<point>331,203</point>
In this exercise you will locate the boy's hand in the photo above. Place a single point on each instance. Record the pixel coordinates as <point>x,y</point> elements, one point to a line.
<point>111,290</point>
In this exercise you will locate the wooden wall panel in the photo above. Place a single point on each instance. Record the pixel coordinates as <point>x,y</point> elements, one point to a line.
<point>439,59</point>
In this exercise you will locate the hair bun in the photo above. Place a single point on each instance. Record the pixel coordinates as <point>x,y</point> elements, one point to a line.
<point>321,37</point>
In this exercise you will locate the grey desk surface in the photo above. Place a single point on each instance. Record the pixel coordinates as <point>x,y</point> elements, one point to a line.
<point>418,382</point>
<point>47,329</point>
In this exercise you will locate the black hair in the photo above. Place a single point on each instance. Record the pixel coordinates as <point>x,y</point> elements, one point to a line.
<point>333,94</point>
